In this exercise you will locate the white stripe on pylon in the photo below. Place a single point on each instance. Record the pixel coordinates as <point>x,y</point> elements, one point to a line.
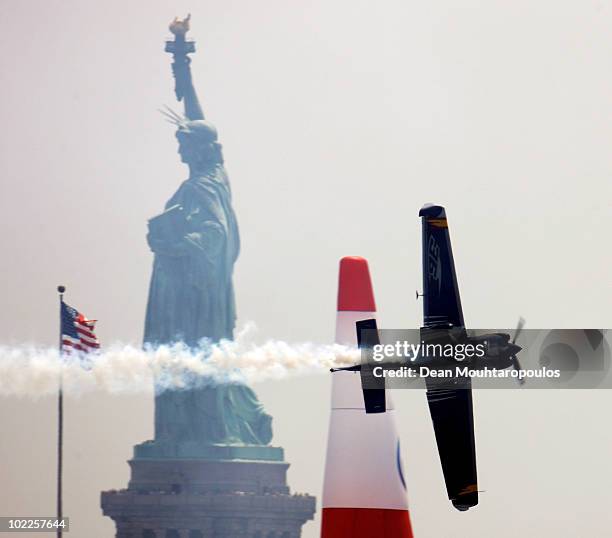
<point>363,464</point>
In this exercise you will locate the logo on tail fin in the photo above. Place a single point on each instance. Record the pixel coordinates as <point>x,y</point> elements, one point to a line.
<point>434,263</point>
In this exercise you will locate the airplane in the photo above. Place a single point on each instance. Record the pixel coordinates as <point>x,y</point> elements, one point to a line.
<point>449,400</point>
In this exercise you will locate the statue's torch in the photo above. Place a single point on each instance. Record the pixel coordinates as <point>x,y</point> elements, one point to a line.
<point>180,48</point>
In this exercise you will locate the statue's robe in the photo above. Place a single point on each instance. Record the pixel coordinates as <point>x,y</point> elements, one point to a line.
<point>191,297</point>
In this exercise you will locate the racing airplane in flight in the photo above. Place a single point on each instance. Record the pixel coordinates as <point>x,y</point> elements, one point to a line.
<point>451,407</point>
<point>450,400</point>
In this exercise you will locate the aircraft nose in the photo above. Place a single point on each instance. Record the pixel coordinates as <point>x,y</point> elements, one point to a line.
<point>514,349</point>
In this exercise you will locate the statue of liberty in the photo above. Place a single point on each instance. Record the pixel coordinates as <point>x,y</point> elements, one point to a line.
<point>191,297</point>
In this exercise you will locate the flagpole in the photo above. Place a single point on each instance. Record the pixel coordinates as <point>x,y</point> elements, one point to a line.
<point>60,423</point>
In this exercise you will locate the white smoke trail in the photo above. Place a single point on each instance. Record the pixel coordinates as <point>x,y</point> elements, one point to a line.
<point>34,371</point>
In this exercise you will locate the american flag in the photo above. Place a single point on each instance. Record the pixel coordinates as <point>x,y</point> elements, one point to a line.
<point>77,331</point>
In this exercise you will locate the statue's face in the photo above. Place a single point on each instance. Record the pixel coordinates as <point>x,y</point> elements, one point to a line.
<point>187,146</point>
<point>195,139</point>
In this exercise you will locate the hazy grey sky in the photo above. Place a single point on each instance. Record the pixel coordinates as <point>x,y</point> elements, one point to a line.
<point>339,119</point>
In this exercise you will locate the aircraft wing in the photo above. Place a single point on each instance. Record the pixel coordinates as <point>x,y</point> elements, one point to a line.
<point>450,403</point>
<point>441,301</point>
<point>453,422</point>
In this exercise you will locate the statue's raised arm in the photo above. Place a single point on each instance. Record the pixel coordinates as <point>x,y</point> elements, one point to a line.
<point>184,88</point>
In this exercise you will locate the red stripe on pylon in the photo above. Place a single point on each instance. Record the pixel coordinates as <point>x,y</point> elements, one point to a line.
<point>355,286</point>
<point>365,523</point>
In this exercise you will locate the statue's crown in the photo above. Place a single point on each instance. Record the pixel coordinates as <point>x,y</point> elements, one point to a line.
<point>203,130</point>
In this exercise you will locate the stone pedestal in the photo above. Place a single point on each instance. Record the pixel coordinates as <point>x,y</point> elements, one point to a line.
<point>209,498</point>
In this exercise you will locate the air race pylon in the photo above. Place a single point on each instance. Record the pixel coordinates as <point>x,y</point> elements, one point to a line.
<point>364,492</point>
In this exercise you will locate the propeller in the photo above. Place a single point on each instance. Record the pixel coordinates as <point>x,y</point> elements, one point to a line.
<point>519,328</point>
<point>515,362</point>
